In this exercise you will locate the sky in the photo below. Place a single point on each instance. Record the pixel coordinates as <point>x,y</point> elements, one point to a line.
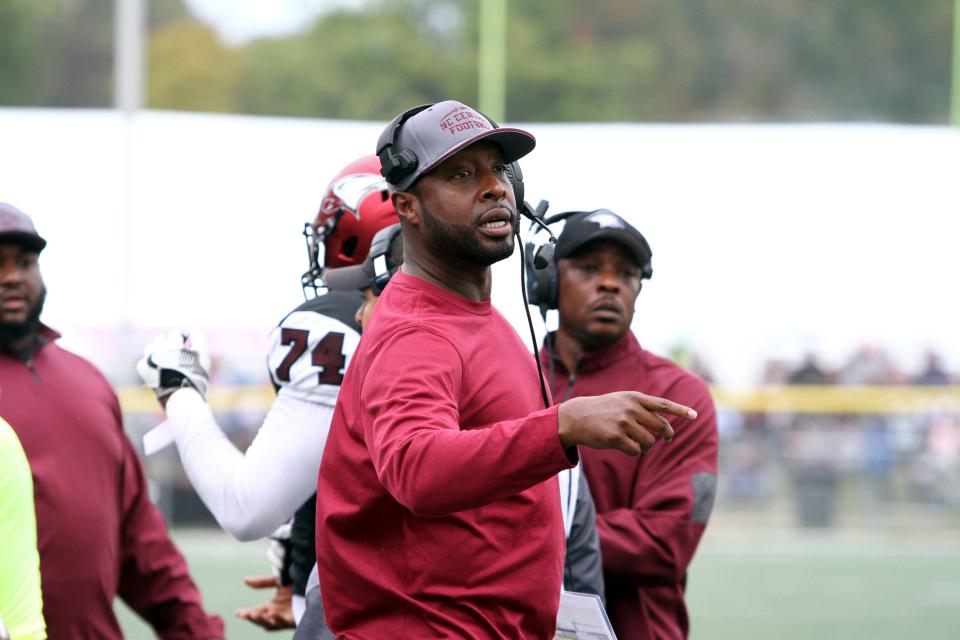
<point>769,241</point>
<point>240,20</point>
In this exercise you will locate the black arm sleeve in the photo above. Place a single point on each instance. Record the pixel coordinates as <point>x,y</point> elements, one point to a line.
<point>583,567</point>
<point>303,553</point>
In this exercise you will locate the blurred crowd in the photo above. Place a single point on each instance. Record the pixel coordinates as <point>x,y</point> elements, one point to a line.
<point>851,463</point>
<point>870,364</point>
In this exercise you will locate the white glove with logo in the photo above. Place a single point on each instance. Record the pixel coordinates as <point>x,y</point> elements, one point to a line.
<point>175,360</point>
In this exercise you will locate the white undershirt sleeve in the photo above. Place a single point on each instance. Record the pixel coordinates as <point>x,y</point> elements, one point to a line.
<point>251,494</point>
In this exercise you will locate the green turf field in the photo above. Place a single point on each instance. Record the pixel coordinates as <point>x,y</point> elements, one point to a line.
<point>856,586</point>
<point>218,564</point>
<point>744,584</point>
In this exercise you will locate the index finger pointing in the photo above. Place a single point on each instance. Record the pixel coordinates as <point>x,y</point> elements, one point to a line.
<point>662,405</point>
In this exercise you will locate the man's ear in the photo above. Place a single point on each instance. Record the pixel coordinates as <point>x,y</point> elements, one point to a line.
<point>407,206</point>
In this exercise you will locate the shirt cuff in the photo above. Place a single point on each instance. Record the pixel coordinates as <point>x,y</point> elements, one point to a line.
<point>546,423</point>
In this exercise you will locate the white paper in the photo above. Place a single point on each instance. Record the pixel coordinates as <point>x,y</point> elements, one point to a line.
<point>581,617</point>
<point>157,438</point>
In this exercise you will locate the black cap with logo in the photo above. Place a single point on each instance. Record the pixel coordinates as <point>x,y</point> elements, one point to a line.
<point>603,224</point>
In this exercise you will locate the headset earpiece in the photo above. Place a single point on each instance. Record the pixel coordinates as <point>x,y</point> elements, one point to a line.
<point>515,175</point>
<point>541,281</point>
<point>395,165</point>
<point>542,278</point>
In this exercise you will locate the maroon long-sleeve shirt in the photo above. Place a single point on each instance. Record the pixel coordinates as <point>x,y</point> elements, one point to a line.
<point>438,507</point>
<point>98,533</point>
<point>651,510</point>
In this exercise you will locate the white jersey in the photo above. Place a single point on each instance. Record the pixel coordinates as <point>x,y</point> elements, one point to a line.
<point>311,348</point>
<point>252,493</point>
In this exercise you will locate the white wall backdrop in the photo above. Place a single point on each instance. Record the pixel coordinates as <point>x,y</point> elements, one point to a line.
<point>768,241</point>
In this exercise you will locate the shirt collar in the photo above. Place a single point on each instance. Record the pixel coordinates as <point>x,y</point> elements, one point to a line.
<point>482,307</point>
<point>44,335</point>
<point>600,358</point>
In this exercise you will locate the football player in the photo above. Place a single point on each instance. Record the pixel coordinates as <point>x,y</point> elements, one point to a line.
<point>368,278</point>
<point>252,493</point>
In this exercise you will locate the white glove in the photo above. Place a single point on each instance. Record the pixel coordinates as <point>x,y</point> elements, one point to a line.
<point>175,360</point>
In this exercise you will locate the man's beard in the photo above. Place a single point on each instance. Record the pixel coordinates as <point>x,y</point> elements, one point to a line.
<point>11,333</point>
<point>461,241</point>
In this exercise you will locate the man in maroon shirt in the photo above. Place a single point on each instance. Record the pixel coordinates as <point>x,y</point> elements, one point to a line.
<point>98,534</point>
<point>438,508</point>
<point>652,509</point>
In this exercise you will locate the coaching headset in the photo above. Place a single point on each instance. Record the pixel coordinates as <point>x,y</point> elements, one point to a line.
<point>398,163</point>
<point>543,280</point>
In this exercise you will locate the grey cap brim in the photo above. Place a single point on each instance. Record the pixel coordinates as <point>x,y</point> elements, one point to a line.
<point>513,143</point>
<point>351,278</point>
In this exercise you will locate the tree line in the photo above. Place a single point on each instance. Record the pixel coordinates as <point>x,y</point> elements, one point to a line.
<point>570,60</point>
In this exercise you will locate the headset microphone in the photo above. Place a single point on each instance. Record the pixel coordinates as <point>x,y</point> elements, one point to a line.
<point>543,256</point>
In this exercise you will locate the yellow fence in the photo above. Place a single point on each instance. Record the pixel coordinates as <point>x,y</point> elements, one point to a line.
<point>841,399</point>
<point>787,399</point>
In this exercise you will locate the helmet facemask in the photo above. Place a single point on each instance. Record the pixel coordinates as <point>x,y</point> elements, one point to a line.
<point>356,205</point>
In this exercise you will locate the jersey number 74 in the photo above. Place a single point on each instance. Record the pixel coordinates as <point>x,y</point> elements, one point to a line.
<point>327,354</point>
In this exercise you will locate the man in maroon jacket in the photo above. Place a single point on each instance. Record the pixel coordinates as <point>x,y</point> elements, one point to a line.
<point>651,510</point>
<point>98,534</point>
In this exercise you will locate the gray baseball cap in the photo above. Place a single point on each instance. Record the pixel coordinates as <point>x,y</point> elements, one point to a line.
<point>16,225</point>
<point>437,132</point>
<point>386,255</point>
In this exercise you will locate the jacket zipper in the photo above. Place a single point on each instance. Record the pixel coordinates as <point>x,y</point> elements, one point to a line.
<point>569,390</point>
<point>33,370</point>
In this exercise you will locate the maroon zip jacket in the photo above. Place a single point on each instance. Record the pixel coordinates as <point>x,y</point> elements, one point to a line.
<point>651,510</point>
<point>99,534</point>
